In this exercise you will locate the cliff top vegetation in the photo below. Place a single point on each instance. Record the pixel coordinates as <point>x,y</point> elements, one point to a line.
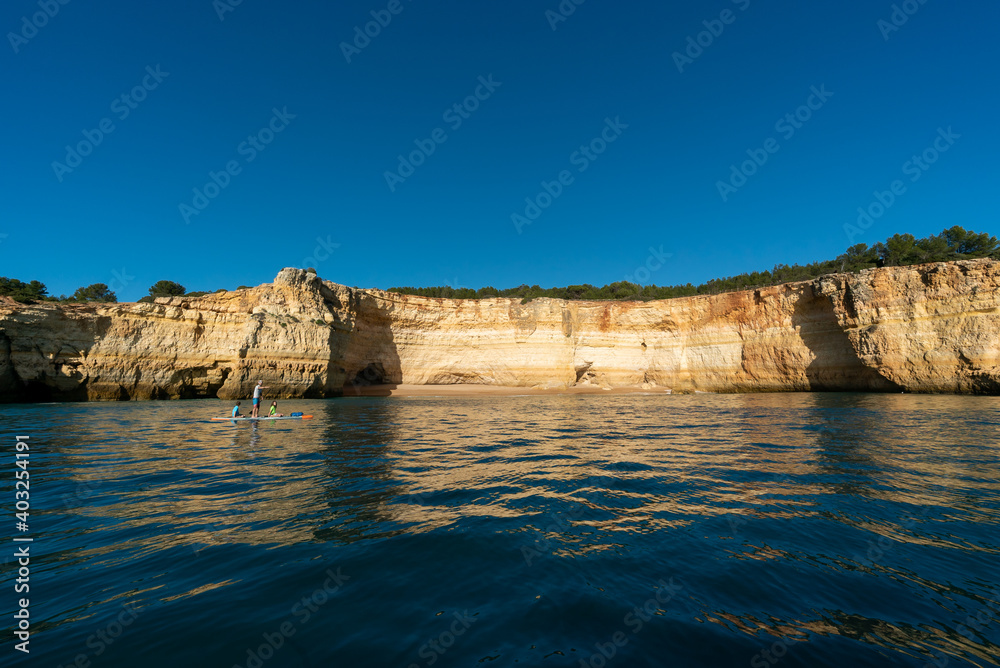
<point>899,250</point>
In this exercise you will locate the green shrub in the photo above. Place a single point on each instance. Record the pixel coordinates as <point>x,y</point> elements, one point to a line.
<point>96,292</point>
<point>166,289</point>
<point>899,250</point>
<point>22,292</point>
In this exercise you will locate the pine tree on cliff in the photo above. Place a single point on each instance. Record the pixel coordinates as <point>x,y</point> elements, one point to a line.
<point>952,244</point>
<point>22,292</point>
<point>96,292</point>
<point>166,289</point>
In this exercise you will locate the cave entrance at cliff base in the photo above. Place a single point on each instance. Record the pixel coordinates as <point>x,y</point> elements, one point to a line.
<point>373,374</point>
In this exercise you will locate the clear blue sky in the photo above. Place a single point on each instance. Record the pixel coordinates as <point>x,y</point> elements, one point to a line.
<point>323,176</point>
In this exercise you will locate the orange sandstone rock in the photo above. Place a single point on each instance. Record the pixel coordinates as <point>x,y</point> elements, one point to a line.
<point>927,328</point>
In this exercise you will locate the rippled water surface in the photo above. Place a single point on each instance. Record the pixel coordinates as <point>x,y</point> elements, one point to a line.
<point>628,530</point>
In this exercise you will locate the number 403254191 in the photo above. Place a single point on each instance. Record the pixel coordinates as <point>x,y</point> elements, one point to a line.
<point>22,485</point>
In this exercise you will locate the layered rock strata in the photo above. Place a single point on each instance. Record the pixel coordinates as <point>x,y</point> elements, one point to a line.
<point>928,328</point>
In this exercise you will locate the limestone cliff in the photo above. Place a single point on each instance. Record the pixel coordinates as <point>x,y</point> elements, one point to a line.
<point>929,328</point>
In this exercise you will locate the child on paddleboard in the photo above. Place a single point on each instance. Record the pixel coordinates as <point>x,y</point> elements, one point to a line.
<point>236,410</point>
<point>274,410</point>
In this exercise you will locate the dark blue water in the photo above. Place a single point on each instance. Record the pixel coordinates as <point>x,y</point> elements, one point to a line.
<point>761,530</point>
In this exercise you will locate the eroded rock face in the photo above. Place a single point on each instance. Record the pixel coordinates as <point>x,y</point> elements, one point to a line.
<point>932,328</point>
<point>218,345</point>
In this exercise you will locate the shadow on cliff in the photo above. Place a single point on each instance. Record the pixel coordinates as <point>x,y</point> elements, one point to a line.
<point>36,368</point>
<point>364,359</point>
<point>836,366</point>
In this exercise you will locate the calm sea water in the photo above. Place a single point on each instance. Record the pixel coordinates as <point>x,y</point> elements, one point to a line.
<point>743,530</point>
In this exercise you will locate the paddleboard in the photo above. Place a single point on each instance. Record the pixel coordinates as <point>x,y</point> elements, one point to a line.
<point>286,417</point>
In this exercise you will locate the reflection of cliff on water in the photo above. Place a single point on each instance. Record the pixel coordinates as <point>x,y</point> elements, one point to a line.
<point>357,480</point>
<point>162,464</point>
<point>857,444</point>
<point>825,447</point>
<point>597,491</point>
<point>636,464</point>
<point>920,642</point>
<point>566,451</point>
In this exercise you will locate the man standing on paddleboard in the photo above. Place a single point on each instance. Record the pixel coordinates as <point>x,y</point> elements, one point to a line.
<point>256,398</point>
